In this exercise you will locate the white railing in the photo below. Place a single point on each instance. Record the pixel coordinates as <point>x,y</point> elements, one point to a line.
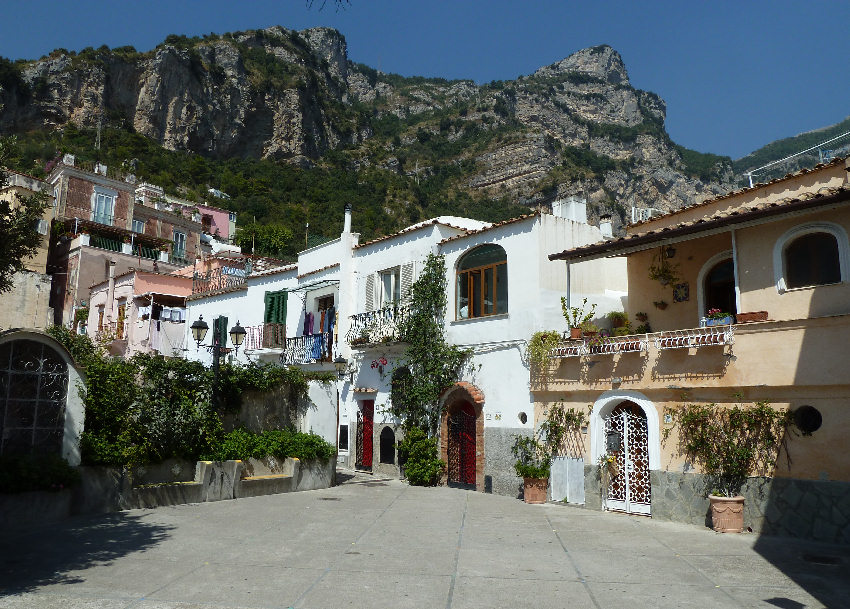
<point>672,339</point>
<point>376,326</point>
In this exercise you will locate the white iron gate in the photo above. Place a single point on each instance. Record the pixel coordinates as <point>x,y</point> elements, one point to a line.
<point>628,488</point>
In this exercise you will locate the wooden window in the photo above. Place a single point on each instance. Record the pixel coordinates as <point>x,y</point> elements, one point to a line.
<point>482,283</point>
<point>122,315</point>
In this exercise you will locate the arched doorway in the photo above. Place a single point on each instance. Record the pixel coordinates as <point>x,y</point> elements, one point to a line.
<point>627,440</point>
<point>462,435</point>
<point>719,287</point>
<point>387,445</point>
<point>461,445</point>
<point>636,448</point>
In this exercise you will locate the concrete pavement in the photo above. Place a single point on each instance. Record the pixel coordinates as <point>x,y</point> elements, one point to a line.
<point>373,543</point>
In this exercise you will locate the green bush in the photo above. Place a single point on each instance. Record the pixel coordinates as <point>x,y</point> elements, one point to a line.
<point>418,455</point>
<point>532,459</point>
<point>281,443</point>
<point>20,474</point>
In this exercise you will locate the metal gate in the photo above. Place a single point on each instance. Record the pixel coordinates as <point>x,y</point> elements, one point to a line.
<point>365,425</point>
<point>33,390</point>
<point>461,447</point>
<point>629,488</point>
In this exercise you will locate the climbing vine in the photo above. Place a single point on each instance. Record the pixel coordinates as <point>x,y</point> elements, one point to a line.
<point>433,363</point>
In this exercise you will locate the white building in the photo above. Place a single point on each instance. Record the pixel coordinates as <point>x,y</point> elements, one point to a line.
<point>501,289</point>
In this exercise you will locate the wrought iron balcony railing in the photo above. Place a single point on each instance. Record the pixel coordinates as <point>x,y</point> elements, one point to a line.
<point>308,349</point>
<point>672,339</point>
<point>377,326</point>
<point>266,336</point>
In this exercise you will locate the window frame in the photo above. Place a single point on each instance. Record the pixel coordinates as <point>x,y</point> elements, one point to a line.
<point>791,235</point>
<point>394,274</point>
<point>470,282</point>
<point>179,252</point>
<point>100,193</point>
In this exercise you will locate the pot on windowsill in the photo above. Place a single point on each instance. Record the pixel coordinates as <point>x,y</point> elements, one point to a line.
<point>727,513</point>
<point>744,318</point>
<point>575,333</point>
<point>720,321</point>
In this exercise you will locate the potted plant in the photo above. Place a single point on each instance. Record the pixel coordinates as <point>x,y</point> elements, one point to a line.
<point>532,465</point>
<point>619,319</point>
<point>716,317</point>
<point>660,305</point>
<point>577,316</point>
<point>539,348</point>
<point>641,317</point>
<point>662,271</point>
<point>743,318</point>
<point>589,329</point>
<point>728,444</point>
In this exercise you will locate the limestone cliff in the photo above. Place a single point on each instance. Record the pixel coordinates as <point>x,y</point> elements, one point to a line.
<point>574,127</point>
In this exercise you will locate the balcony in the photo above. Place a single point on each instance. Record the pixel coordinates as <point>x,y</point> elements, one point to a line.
<point>673,339</point>
<point>223,278</point>
<point>381,326</point>
<point>266,336</point>
<point>308,349</point>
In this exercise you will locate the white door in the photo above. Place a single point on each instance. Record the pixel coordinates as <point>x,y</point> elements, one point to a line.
<point>628,489</point>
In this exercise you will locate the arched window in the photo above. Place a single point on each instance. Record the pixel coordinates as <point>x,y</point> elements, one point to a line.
<point>811,255</point>
<point>387,446</point>
<point>482,282</point>
<point>812,260</point>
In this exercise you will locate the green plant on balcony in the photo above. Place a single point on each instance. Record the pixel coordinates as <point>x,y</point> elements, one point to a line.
<point>577,316</point>
<point>662,270</point>
<point>539,347</point>
<point>618,319</point>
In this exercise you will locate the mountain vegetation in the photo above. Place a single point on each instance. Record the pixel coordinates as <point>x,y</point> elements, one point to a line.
<point>291,129</point>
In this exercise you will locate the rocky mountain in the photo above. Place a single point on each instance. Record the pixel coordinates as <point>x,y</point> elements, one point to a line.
<point>574,127</point>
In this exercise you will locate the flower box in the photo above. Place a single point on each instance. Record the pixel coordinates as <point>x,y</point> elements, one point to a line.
<point>720,321</point>
<point>744,318</point>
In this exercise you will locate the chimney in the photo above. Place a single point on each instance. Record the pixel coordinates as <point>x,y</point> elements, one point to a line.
<point>573,208</point>
<point>605,226</point>
<point>110,293</point>
<point>346,227</point>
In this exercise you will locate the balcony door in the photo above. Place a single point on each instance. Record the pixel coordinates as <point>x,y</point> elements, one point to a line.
<point>719,287</point>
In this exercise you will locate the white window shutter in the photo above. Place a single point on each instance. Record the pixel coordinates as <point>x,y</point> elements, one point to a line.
<point>407,278</point>
<point>370,292</point>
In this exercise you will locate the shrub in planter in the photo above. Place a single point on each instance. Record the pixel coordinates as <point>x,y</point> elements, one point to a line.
<point>532,465</point>
<point>618,319</point>
<point>730,444</point>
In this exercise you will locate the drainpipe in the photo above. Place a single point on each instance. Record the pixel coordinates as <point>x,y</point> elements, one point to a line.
<point>569,302</point>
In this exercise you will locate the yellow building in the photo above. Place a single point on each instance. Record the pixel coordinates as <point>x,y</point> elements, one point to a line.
<point>27,304</point>
<point>776,257</point>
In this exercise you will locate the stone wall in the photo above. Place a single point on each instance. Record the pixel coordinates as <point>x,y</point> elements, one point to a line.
<point>808,509</point>
<point>499,474</point>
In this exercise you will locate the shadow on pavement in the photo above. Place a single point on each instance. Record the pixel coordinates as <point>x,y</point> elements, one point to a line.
<point>51,554</point>
<point>820,569</point>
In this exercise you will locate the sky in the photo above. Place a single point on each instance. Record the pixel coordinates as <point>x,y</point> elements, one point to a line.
<point>735,75</point>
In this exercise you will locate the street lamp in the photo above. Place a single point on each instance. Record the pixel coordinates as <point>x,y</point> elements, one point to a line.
<point>340,364</point>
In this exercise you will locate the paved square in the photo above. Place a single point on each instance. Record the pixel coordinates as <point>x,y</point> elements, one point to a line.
<point>385,544</point>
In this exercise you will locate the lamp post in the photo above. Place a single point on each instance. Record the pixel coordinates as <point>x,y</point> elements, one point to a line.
<point>199,332</point>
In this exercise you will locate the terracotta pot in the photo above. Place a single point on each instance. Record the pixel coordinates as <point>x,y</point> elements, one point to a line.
<point>727,514</point>
<point>744,318</point>
<point>575,333</point>
<point>534,489</point>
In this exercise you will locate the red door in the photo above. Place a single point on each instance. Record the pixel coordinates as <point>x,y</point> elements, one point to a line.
<point>365,425</point>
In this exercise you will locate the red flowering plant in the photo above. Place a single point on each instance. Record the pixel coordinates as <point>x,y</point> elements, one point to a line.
<point>716,314</point>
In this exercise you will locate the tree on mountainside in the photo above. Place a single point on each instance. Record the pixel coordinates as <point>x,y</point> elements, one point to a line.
<point>19,217</point>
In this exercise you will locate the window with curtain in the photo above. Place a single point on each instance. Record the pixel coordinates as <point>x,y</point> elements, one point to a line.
<point>482,282</point>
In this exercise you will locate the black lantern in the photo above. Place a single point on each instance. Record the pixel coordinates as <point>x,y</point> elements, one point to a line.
<point>340,364</point>
<point>237,335</point>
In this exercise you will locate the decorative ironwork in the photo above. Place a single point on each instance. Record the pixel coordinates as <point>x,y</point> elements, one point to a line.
<point>224,278</point>
<point>377,326</point>
<point>33,390</point>
<point>629,487</point>
<point>461,448</point>
<point>673,339</point>
<point>308,349</point>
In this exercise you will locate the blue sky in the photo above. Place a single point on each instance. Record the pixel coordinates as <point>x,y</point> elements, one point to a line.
<point>735,75</point>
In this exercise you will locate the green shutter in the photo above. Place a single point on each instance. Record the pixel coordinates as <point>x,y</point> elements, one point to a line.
<point>220,330</point>
<point>268,301</point>
<point>281,306</point>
